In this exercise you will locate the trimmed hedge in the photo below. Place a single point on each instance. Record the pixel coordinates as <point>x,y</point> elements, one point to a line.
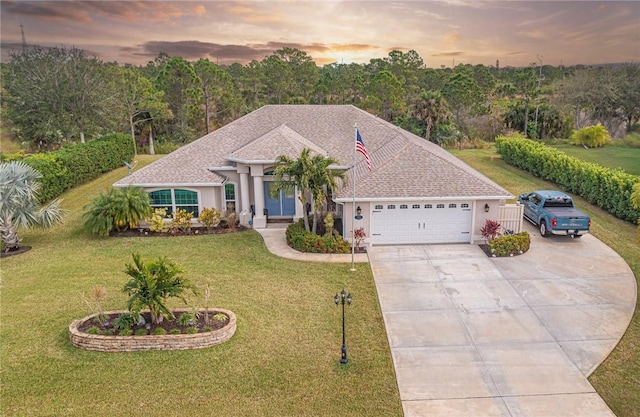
<point>299,239</point>
<point>607,188</point>
<point>509,245</point>
<point>76,164</point>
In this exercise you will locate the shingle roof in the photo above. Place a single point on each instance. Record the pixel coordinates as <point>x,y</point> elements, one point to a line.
<point>280,141</point>
<point>404,165</point>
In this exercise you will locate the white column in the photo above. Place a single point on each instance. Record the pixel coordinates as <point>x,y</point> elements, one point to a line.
<point>245,204</point>
<point>299,209</point>
<point>259,220</point>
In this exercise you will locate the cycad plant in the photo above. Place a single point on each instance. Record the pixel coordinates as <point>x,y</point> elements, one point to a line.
<point>152,283</point>
<point>117,209</point>
<point>19,206</point>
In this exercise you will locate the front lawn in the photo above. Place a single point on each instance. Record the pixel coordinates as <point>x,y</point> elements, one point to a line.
<point>282,361</point>
<point>610,156</point>
<point>617,379</point>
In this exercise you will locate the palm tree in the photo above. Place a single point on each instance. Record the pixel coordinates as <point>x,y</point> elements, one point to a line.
<point>19,206</point>
<point>323,179</point>
<point>311,176</point>
<point>430,107</point>
<point>152,282</point>
<point>290,173</point>
<point>119,209</point>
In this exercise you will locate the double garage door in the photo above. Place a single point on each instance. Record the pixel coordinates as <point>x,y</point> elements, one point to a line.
<point>421,222</point>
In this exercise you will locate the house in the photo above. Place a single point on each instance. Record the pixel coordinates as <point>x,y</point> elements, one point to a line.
<point>416,192</point>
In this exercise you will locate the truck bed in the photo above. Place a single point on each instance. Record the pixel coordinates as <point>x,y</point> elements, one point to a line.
<point>569,212</point>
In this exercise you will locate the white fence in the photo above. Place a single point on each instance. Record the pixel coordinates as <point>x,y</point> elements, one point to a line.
<point>510,217</point>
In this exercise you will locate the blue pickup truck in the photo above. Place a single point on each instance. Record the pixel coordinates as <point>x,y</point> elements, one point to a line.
<point>554,213</point>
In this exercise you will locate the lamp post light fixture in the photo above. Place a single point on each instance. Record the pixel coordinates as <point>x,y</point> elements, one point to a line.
<point>343,298</point>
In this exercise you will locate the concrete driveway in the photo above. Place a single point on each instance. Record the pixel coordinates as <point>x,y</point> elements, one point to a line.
<point>478,336</point>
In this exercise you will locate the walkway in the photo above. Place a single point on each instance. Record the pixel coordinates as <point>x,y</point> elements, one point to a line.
<point>477,336</point>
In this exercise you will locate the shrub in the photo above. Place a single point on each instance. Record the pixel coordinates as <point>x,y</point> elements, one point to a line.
<point>126,320</point>
<point>174,331</point>
<point>93,330</point>
<point>119,209</point>
<point>125,332</point>
<point>141,332</point>
<point>490,230</point>
<point>210,218</point>
<point>359,236</point>
<point>191,330</point>
<point>231,219</point>
<point>180,221</point>
<point>8,157</point>
<point>509,245</point>
<point>329,223</point>
<point>590,136</point>
<point>159,331</point>
<point>207,329</point>
<point>76,164</point>
<point>299,239</point>
<point>219,317</point>
<point>607,188</point>
<point>158,224</point>
<point>188,318</point>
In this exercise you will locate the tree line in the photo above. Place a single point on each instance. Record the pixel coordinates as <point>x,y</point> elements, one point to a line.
<point>51,96</point>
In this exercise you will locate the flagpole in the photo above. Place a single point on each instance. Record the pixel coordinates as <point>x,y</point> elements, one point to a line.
<point>353,202</point>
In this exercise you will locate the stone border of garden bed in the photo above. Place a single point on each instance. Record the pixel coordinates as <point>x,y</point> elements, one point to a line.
<point>102,343</point>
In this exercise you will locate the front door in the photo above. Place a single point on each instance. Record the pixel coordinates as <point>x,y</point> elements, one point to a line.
<point>283,205</point>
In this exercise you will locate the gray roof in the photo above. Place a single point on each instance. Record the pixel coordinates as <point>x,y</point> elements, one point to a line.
<point>404,165</point>
<point>267,148</point>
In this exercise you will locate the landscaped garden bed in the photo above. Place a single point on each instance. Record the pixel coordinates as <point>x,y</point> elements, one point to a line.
<point>90,333</point>
<point>499,244</point>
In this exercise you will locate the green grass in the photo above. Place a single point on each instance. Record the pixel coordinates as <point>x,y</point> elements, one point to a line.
<point>610,156</point>
<point>617,380</point>
<point>282,361</point>
<point>7,145</point>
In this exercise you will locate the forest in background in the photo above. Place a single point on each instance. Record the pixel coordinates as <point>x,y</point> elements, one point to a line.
<point>55,96</point>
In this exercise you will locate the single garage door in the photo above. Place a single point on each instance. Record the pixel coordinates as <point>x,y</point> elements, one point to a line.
<point>421,222</point>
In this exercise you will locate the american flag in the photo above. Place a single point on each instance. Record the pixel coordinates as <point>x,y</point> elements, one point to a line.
<point>361,148</point>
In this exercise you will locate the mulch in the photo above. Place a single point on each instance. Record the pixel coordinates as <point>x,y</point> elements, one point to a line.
<point>21,249</point>
<point>195,231</point>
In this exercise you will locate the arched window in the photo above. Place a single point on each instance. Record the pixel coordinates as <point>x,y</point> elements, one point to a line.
<point>172,199</point>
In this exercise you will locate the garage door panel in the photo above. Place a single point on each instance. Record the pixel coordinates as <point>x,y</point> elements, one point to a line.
<point>421,222</point>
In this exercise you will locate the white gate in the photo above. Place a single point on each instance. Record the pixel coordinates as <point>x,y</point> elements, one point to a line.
<point>510,217</point>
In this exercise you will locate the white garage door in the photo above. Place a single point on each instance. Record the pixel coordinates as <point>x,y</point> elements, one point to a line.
<point>421,222</point>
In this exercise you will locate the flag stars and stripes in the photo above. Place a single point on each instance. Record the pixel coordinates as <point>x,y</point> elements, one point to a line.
<point>360,148</point>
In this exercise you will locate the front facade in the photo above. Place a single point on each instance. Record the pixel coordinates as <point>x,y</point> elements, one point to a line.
<point>416,192</point>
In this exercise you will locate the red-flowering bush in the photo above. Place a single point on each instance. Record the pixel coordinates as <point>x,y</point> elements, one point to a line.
<point>490,230</point>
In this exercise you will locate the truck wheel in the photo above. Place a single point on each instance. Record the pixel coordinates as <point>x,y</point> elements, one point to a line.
<point>543,229</point>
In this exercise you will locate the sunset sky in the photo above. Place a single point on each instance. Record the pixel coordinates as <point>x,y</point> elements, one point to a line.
<point>445,32</point>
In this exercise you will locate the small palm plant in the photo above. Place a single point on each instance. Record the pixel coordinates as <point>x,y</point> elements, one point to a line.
<point>19,207</point>
<point>117,209</point>
<point>152,283</point>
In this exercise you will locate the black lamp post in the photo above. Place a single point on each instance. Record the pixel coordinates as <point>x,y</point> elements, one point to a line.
<point>343,298</point>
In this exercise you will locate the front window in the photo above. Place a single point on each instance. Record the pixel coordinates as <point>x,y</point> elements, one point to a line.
<point>230,197</point>
<point>171,199</point>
